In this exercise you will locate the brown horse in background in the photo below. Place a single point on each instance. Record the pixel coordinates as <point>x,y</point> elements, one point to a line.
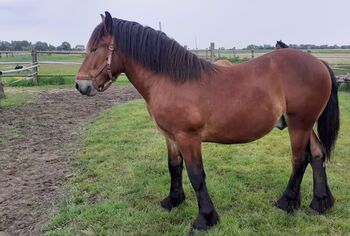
<point>223,62</point>
<point>192,101</point>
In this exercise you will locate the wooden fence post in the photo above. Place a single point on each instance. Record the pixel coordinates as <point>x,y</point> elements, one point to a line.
<point>252,53</point>
<point>2,92</point>
<point>35,69</point>
<point>212,48</point>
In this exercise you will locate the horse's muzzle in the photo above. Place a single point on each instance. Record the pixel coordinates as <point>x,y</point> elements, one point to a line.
<point>85,87</point>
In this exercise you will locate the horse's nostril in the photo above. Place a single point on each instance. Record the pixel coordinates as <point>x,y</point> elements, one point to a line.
<point>77,86</point>
<point>88,90</point>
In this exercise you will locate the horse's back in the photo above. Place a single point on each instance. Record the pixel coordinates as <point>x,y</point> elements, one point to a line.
<point>305,81</point>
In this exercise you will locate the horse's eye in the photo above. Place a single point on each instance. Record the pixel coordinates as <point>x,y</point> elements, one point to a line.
<point>93,50</point>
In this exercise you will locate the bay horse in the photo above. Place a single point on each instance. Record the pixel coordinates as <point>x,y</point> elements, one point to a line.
<point>192,101</point>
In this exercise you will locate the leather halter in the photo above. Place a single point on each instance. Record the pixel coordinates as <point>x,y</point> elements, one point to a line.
<point>106,64</point>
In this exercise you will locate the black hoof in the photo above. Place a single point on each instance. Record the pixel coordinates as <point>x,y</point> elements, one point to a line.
<point>320,205</point>
<point>169,203</point>
<point>205,221</point>
<point>288,204</point>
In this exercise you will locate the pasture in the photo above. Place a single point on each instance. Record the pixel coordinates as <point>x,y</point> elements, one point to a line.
<point>121,176</point>
<point>49,74</point>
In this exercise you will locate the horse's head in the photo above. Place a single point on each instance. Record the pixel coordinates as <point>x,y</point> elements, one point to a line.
<point>102,63</point>
<point>278,45</point>
<point>281,44</point>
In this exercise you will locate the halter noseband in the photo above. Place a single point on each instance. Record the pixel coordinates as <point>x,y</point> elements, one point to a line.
<point>106,64</point>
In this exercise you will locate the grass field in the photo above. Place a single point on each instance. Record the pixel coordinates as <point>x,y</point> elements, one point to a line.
<point>121,176</point>
<point>49,74</point>
<point>17,96</point>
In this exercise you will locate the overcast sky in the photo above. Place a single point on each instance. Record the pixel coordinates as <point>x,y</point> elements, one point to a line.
<point>228,23</point>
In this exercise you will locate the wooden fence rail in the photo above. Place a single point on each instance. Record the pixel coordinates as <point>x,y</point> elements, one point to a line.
<point>19,70</point>
<point>34,64</point>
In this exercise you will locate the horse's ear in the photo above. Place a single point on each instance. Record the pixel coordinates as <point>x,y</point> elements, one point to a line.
<point>108,22</point>
<point>102,17</point>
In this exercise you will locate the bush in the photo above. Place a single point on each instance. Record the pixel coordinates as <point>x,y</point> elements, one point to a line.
<point>235,59</point>
<point>17,82</point>
<point>56,80</point>
<point>48,80</point>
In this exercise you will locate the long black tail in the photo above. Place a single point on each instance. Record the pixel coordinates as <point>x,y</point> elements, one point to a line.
<point>328,123</point>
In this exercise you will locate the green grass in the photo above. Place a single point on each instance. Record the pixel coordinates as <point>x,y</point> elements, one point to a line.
<point>122,176</point>
<point>16,97</point>
<point>55,79</point>
<point>44,57</point>
<point>330,51</point>
<point>234,60</point>
<point>342,69</point>
<point>48,74</point>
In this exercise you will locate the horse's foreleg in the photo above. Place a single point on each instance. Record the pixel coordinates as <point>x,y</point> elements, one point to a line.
<point>175,165</point>
<point>290,199</point>
<point>191,151</point>
<point>323,198</point>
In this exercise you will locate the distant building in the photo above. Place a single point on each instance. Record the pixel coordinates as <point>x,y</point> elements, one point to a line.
<point>80,47</point>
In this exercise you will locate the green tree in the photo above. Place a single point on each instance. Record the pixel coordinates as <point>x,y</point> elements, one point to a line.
<point>41,46</point>
<point>65,46</point>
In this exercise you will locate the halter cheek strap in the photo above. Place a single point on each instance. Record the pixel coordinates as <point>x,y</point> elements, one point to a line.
<point>106,64</point>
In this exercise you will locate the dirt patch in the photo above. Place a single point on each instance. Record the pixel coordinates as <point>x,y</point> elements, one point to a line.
<point>37,141</point>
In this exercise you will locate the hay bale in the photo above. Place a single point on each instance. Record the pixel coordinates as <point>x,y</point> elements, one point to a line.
<point>223,62</point>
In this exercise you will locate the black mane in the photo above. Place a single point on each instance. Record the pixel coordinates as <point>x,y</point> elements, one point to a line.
<point>155,50</point>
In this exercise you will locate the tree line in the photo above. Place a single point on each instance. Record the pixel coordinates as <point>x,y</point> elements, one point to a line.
<point>25,45</point>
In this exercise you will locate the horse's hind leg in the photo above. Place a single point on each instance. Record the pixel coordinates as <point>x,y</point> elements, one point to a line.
<point>322,198</point>
<point>290,200</point>
<point>175,165</point>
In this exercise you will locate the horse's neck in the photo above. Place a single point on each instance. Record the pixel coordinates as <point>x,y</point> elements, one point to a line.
<point>142,78</point>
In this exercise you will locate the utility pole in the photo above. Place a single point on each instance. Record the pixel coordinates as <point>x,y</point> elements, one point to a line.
<point>2,92</point>
<point>35,63</point>
<point>212,48</point>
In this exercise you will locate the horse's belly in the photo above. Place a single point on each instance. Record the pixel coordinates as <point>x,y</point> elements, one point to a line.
<point>242,127</point>
<point>243,134</point>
